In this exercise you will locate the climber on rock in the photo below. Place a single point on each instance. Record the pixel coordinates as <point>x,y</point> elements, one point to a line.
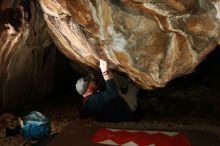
<point>109,104</point>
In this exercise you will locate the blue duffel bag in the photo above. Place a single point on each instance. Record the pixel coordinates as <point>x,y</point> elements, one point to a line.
<point>35,126</point>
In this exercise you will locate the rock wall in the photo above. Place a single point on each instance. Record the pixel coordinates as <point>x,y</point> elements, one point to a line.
<point>27,53</point>
<point>151,41</point>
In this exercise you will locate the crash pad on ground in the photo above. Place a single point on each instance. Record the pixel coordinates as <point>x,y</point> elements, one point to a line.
<point>84,135</point>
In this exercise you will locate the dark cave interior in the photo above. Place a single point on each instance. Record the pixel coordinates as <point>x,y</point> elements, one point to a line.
<point>191,100</point>
<point>192,95</point>
<point>195,95</point>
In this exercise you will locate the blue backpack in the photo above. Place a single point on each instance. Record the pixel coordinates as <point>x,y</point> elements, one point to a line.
<point>36,125</point>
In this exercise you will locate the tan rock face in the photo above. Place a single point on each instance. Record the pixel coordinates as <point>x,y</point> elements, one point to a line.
<point>151,41</point>
<point>26,54</point>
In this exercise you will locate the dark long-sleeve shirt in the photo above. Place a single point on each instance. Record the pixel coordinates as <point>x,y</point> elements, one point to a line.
<point>107,105</point>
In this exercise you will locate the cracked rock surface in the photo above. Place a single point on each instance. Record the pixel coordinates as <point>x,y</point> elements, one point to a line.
<point>27,53</point>
<point>151,41</point>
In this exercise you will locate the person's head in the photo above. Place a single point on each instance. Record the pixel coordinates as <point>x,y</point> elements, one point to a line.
<point>84,84</point>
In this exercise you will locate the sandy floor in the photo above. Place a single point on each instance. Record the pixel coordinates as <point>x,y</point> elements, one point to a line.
<point>62,115</point>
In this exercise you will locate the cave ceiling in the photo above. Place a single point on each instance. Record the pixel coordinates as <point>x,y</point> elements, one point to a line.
<point>150,41</point>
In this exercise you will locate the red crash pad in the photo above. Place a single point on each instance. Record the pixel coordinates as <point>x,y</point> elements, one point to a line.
<point>78,134</point>
<point>139,138</point>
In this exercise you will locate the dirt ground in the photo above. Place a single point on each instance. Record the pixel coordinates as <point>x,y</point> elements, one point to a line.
<point>185,107</point>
